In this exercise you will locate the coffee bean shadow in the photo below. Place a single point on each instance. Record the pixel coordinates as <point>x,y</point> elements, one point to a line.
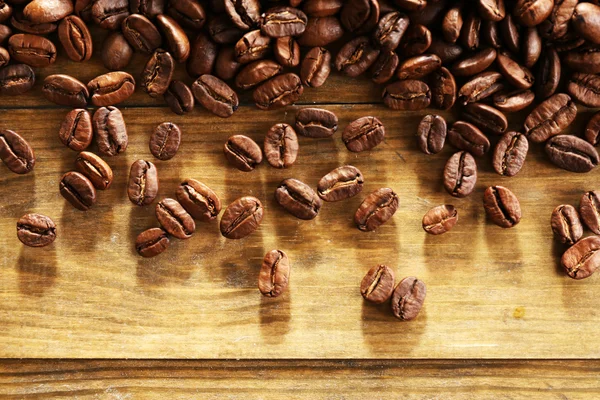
<point>505,250</point>
<point>274,316</point>
<point>558,250</point>
<point>168,268</point>
<point>37,268</point>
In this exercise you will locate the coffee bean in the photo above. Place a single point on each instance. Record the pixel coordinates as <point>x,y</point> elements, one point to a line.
<point>341,183</point>
<point>111,88</point>
<point>109,14</point>
<point>245,13</point>
<point>274,273</point>
<point>532,47</point>
<point>589,208</point>
<point>6,11</point>
<point>116,52</point>
<point>241,218</point>
<point>316,67</point>
<point>566,225</point>
<point>5,33</point>
<point>151,242</point>
<point>486,118</point>
<point>78,190</point>
<point>585,88</point>
<point>418,67</point>
<point>20,23</point>
<point>572,153</point>
<point>143,183</point>
<point>533,12</point>
<point>83,9</point>
<point>429,15</point>
<point>408,95</point>
<point>518,75</point>
<point>415,41</point>
<point>253,46</point>
<point>287,52</point>
<point>557,24</point>
<point>376,209</point>
<point>460,174</point>
<point>390,29</point>
<point>583,258</point>
<point>174,219</point>
<point>480,87</point>
<point>586,22</point>
<point>256,73</point>
<point>550,118</point>
<point>510,153</point>
<point>452,24</point>
<point>363,134</point>
<point>492,10</point>
<point>179,98</point>
<point>476,63</point>
<point>65,90</point>
<point>282,21</point>
<point>16,79</point>
<point>360,16</point>
<point>431,134</point>
<point>4,57</point>
<point>278,92</point>
<point>443,89</point>
<point>36,230</point>
<point>490,33</point>
<point>15,152</point>
<point>111,132</point>
<point>298,199</point>
<point>165,141</point>
<point>176,40</point>
<point>157,74</point>
<point>320,8</point>
<point>408,298</point>
<point>141,33</point>
<point>76,130</point>
<point>75,38</point>
<point>203,56</point>
<point>150,8</point>
<point>356,56</point>
<point>33,50</point>
<point>378,284</point>
<point>46,11</point>
<point>469,34</point>
<point>548,76</point>
<point>440,219</point>
<point>513,101</point>
<point>215,95</point>
<point>281,146</point>
<point>316,122</point>
<point>592,130</point>
<point>223,31</point>
<point>242,152</point>
<point>226,66</point>
<point>584,59</point>
<point>447,52</point>
<point>188,13</point>
<point>95,169</point>
<point>200,201</point>
<point>465,136</point>
<point>384,67</point>
<point>320,32</point>
<point>502,206</point>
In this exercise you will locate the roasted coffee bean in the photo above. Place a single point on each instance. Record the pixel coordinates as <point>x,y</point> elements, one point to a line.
<point>20,23</point>
<point>356,56</point>
<point>440,219</point>
<point>177,41</point>
<point>274,273</point>
<point>78,190</point>
<point>572,153</point>
<point>390,29</point>
<point>111,88</point>
<point>586,21</point>
<point>5,33</point>
<point>460,174</point>
<point>384,67</point>
<point>514,100</point>
<point>75,38</point>
<point>36,230</point>
<point>429,15</point>
<point>281,146</point>
<point>408,298</point>
<point>36,51</point>
<point>111,132</point>
<point>287,52</point>
<point>282,21</point>
<point>585,88</point>
<point>548,76</point>
<point>502,206</point>
<point>141,33</point>
<point>157,74</point>
<point>150,8</point>
<point>4,57</point>
<point>589,208</point>
<point>65,90</point>
<point>109,14</point>
<point>486,118</point>
<point>557,24</point>
<point>256,73</point>
<point>252,46</point>
<point>583,258</point>
<point>298,199</point>
<point>203,56</point>
<point>165,141</point>
<point>431,134</point>
<point>469,34</point>
<point>363,134</point>
<point>341,183</point>
<point>592,130</point>
<point>83,9</point>
<point>532,47</point>
<point>378,284</point>
<point>142,187</point>
<point>242,152</point>
<point>320,32</point>
<point>584,59</point>
<point>360,16</point>
<point>443,89</point>
<point>223,31</point>
<point>413,5</point>
<point>550,118</point>
<point>95,169</point>
<point>151,242</point>
<point>116,52</point>
<point>321,8</point>
<point>199,200</point>
<point>480,87</point>
<point>510,153</point>
<point>516,74</point>
<point>465,136</point>
<point>510,33</point>
<point>447,52</point>
<point>415,41</point>
<point>6,11</point>
<point>474,64</point>
<point>174,219</point>
<point>45,11</point>
<point>244,13</point>
<point>241,218</point>
<point>278,92</point>
<point>316,122</point>
<point>179,98</point>
<point>566,225</point>
<point>76,130</point>
<point>376,209</point>
<point>226,66</point>
<point>316,67</point>
<point>215,95</point>
<point>188,13</point>
<point>452,23</point>
<point>533,12</point>
<point>490,33</point>
<point>409,95</point>
<point>491,10</point>
<point>15,152</point>
<point>419,66</point>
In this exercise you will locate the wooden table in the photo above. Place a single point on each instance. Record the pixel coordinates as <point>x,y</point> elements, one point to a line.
<point>495,297</point>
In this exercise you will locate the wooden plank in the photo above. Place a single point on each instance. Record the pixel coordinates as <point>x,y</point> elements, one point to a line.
<point>492,293</point>
<point>260,379</point>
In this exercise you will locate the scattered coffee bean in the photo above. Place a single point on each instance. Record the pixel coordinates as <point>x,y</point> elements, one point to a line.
<point>466,136</point>
<point>15,152</point>
<point>443,89</point>
<point>513,101</point>
<point>174,219</point>
<point>165,141</point>
<point>244,14</point>
<point>242,152</point>
<point>486,118</point>
<point>316,122</point>
<point>141,33</point>
<point>549,72</point>
<point>460,174</point>
<point>356,56</point>
<point>111,132</point>
<point>502,206</point>
<point>157,74</point>
<point>109,14</point>
<point>363,134</point>
<point>111,88</point>
<point>116,52</point>
<point>480,87</point>
<point>76,130</point>
<point>341,183</point>
<point>589,209</point>
<point>572,153</point>
<point>143,183</point>
<point>256,73</point>
<point>36,230</point>
<point>188,13</point>
<point>408,298</point>
<point>16,79</point>
<point>550,118</point>
<point>203,56</point>
<point>418,67</point>
<point>585,88</point>
<point>390,29</point>
<point>280,22</point>
<point>320,32</point>
<point>215,95</point>
<point>585,21</point>
<point>281,146</point>
<point>78,190</point>
<point>252,46</point>
<point>45,11</point>
<point>377,208</point>
<point>278,92</point>
<point>384,67</point>
<point>35,51</point>
<point>431,134</point>
<point>592,130</point>
<point>241,218</point>
<point>151,242</point>
<point>408,95</point>
<point>287,52</point>
<point>566,224</point>
<point>75,38</point>
<point>200,201</point>
<point>65,90</point>
<point>274,273</point>
<point>475,64</point>
<point>316,67</point>
<point>378,284</point>
<point>226,66</point>
<point>179,98</point>
<point>440,219</point>
<point>583,258</point>
<point>298,199</point>
<point>176,40</point>
<point>95,169</point>
<point>510,153</point>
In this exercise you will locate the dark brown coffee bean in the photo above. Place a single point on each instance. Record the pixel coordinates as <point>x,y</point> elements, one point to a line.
<point>76,130</point>
<point>256,73</point>
<point>142,187</point>
<point>83,9</point>
<point>460,174</point>
<point>241,218</point>
<point>321,8</point>
<point>151,242</point>
<point>465,136</point>
<point>376,209</point>
<point>583,258</point>
<point>431,134</point>
<point>320,32</point>
<point>316,67</point>
<point>203,55</point>
<point>548,76</point>
<point>510,153</point>
<point>415,41</point>
<point>356,56</point>
<point>149,8</point>
<point>226,66</point>
<point>111,88</point>
<point>469,34</point>
<point>413,5</point>
<point>491,10</point>
<point>390,29</point>
<point>287,52</point>
<point>298,199</point>
<point>278,92</point>
<point>443,89</point>
<point>586,21</point>
<point>570,42</point>
<point>550,118</point>
<point>532,47</point>
<point>78,190</point>
<point>65,90</point>
<point>4,57</point>
<point>36,51</point>
<point>281,146</point>
<point>75,38</point>
<point>283,21</point>
<point>95,169</point>
<point>5,33</point>
<point>341,183</point>
<point>188,13</point>
<point>572,153</point>
<point>174,219</point>
<point>360,16</point>
<point>252,46</point>
<point>408,298</point>
<point>36,230</point>
<point>20,23</point>
<point>244,13</point>
<point>109,14</point>
<point>589,208</point>
<point>177,41</point>
<point>165,141</point>
<point>533,12</point>
<point>409,95</point>
<point>316,122</point>
<point>480,87</point>
<point>486,118</point>
<point>363,134</point>
<point>378,284</point>
<point>514,100</point>
<point>447,52</point>
<point>242,152</point>
<point>199,200</point>
<point>179,98</point>
<point>584,59</point>
<point>274,273</point>
<point>440,219</point>
<point>419,66</point>
<point>6,11</point>
<point>15,152</point>
<point>557,24</point>
<point>592,130</point>
<point>46,11</point>
<point>215,95</point>
<point>157,74</point>
<point>223,31</point>
<point>116,52</point>
<point>111,132</point>
<point>510,33</point>
<point>518,75</point>
<point>566,225</point>
<point>141,33</point>
<point>502,206</point>
<point>384,67</point>
<point>474,64</point>
<point>452,23</point>
<point>490,33</point>
<point>585,88</point>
